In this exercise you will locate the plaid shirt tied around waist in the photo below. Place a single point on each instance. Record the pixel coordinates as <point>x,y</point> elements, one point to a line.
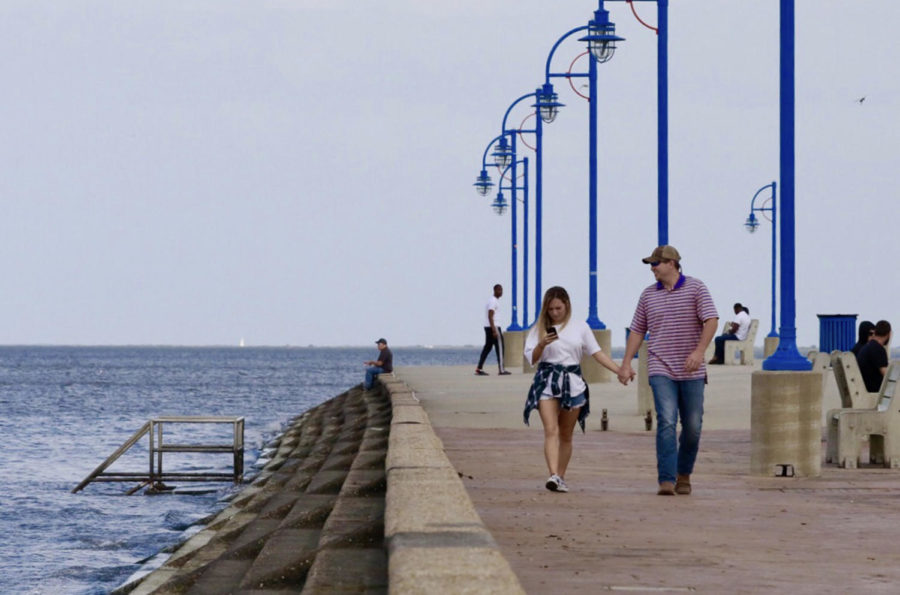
<point>557,376</point>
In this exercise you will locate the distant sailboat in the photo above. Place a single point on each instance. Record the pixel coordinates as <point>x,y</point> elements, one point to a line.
<point>241,344</point>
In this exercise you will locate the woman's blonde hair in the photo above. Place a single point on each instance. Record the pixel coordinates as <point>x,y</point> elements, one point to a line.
<point>554,293</point>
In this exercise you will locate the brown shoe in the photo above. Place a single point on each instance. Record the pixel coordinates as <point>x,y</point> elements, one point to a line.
<point>683,485</point>
<point>713,361</point>
<point>666,488</point>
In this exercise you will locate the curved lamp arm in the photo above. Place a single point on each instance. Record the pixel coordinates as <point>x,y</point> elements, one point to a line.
<point>556,45</point>
<point>512,105</point>
<point>488,148</point>
<point>753,200</point>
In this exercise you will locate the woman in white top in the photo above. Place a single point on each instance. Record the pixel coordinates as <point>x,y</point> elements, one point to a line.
<point>556,344</point>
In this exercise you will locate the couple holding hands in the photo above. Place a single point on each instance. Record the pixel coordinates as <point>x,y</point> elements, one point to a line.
<point>681,318</point>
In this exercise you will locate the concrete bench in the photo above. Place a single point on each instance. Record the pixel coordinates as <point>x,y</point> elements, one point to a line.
<point>745,347</point>
<point>851,386</point>
<point>732,347</point>
<point>880,425</point>
<point>854,395</point>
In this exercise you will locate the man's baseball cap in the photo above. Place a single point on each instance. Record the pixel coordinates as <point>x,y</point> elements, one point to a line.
<point>382,340</point>
<point>662,253</point>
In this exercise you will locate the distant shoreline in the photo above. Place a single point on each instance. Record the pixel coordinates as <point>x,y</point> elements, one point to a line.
<point>617,351</point>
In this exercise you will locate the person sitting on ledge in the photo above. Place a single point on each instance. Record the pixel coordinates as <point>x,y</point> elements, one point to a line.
<point>873,357</point>
<point>384,363</point>
<point>740,326</point>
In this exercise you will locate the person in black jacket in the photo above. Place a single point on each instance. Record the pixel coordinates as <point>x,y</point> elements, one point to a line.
<point>866,330</point>
<point>873,357</point>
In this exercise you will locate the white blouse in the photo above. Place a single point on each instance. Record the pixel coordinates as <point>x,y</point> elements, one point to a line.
<point>575,341</point>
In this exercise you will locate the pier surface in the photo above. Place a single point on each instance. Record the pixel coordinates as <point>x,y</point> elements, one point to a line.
<point>735,533</point>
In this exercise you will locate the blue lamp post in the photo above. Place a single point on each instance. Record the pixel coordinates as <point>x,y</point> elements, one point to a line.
<point>601,40</point>
<point>503,155</point>
<point>787,357</point>
<point>538,181</point>
<point>662,112</point>
<point>499,206</point>
<point>752,224</point>
<point>505,159</point>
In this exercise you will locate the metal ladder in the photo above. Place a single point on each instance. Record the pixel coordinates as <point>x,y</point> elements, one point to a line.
<point>156,477</point>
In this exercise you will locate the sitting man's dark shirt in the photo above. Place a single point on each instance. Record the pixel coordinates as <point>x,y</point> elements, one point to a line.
<point>871,358</point>
<point>387,359</point>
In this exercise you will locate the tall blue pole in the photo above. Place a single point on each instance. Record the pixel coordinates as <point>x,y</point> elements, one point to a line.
<point>514,325</point>
<point>772,332</point>
<point>513,134</point>
<point>662,130</point>
<point>593,320</point>
<point>662,117</point>
<point>787,357</point>
<point>525,243</point>
<point>538,211</point>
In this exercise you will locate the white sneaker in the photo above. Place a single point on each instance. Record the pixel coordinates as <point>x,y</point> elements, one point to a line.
<point>554,482</point>
<point>562,485</point>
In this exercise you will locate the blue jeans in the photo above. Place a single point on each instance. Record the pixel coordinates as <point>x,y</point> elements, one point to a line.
<point>673,398</point>
<point>371,373</point>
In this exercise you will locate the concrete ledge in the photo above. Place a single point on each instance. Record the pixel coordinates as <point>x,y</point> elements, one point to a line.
<point>436,540</point>
<point>414,446</point>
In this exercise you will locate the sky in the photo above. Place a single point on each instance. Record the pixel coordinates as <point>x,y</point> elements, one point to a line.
<point>197,172</point>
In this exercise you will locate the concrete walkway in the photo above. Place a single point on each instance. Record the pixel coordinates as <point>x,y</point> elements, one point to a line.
<point>736,534</point>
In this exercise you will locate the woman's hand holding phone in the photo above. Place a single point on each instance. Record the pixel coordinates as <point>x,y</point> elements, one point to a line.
<point>551,335</point>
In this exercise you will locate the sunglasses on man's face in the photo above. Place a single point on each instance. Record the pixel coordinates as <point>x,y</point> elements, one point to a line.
<point>655,263</point>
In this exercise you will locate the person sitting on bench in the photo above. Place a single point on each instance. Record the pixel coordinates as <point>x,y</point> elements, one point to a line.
<point>873,357</point>
<point>738,332</point>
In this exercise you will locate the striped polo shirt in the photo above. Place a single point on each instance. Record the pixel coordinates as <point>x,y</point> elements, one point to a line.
<point>675,321</point>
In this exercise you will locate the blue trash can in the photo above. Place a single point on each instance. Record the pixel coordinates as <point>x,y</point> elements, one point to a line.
<point>836,331</point>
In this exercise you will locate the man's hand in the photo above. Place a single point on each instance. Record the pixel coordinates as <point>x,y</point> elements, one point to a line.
<point>626,373</point>
<point>694,360</point>
<point>496,333</point>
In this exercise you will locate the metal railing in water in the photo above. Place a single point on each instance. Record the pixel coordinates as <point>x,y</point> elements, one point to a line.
<point>156,476</point>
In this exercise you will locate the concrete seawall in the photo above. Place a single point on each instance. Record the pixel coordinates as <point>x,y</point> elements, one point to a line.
<point>359,497</point>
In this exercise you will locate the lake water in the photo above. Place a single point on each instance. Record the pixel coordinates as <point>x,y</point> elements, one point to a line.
<point>63,410</point>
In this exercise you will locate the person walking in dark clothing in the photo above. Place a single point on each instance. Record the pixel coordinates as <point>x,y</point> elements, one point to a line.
<point>493,336</point>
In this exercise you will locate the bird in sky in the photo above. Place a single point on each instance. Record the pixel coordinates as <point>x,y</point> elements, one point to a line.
<point>861,99</point>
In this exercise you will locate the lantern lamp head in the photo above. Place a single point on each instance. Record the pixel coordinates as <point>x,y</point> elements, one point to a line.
<point>752,223</point>
<point>601,37</point>
<point>483,183</point>
<point>503,153</point>
<point>499,205</point>
<point>547,104</point>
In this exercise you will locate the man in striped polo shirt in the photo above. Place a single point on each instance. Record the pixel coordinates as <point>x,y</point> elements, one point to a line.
<point>681,318</point>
